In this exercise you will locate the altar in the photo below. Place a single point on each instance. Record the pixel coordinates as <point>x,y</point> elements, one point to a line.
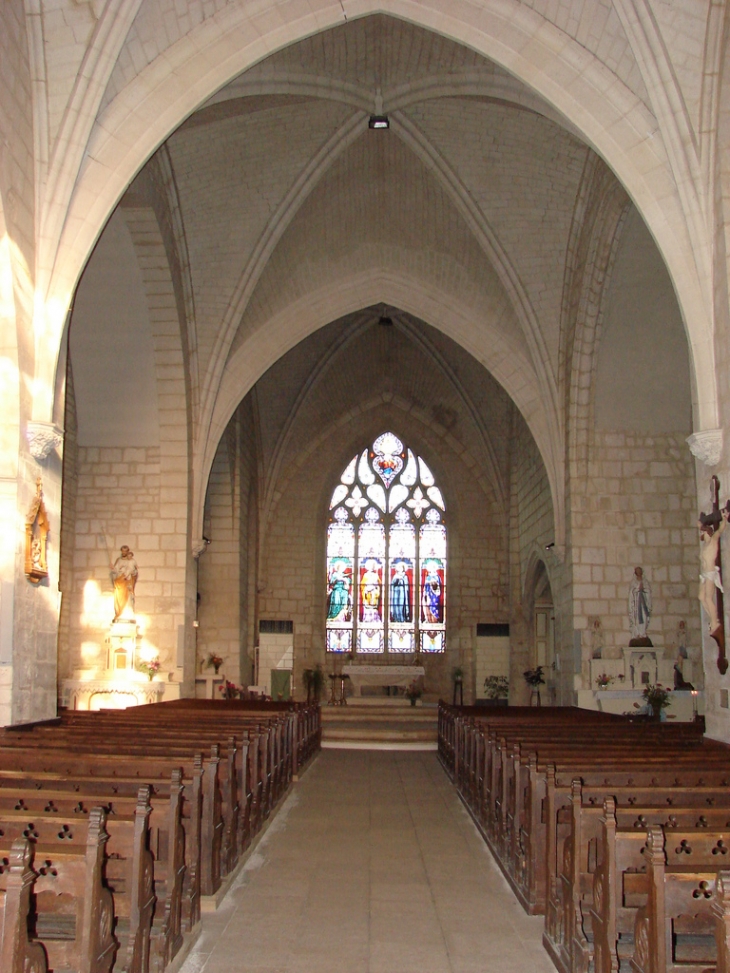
<point>381,675</point>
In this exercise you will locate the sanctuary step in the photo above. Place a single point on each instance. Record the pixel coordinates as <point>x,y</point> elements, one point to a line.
<point>380,727</point>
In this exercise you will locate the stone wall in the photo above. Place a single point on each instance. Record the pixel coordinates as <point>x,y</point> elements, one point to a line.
<point>637,508</point>
<point>119,502</point>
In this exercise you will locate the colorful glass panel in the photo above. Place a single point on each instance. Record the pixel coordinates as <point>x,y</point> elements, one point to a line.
<point>388,459</point>
<point>339,640</point>
<point>371,563</point>
<point>386,554</point>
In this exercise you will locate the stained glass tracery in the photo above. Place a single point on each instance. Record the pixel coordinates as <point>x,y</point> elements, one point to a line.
<point>386,554</point>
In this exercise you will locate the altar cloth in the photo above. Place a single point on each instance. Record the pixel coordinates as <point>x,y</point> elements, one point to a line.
<point>382,675</point>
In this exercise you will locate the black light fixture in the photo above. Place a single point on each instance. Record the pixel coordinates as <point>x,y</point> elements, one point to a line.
<point>385,321</point>
<point>379,121</point>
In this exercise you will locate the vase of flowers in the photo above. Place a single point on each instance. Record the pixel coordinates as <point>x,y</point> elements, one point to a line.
<point>604,680</point>
<point>534,679</point>
<point>413,692</point>
<point>214,660</point>
<point>230,690</point>
<point>151,668</point>
<point>658,699</point>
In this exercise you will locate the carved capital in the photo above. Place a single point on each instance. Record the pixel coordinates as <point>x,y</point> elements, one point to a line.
<point>199,545</point>
<point>43,438</point>
<point>706,446</point>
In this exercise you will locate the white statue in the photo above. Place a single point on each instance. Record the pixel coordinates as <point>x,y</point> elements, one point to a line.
<point>639,605</point>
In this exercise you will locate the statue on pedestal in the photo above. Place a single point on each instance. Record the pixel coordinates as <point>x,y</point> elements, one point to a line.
<point>639,608</point>
<point>124,578</point>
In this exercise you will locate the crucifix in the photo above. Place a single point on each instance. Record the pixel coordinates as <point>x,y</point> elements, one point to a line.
<point>711,527</point>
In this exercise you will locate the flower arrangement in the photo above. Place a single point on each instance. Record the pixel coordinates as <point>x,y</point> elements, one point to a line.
<point>604,680</point>
<point>496,687</point>
<point>230,690</point>
<point>657,696</point>
<point>534,677</point>
<point>413,692</point>
<point>214,660</point>
<point>150,667</point>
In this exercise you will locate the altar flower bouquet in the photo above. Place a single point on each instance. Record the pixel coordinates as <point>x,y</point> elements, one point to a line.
<point>230,690</point>
<point>657,696</point>
<point>150,668</point>
<point>604,680</point>
<point>214,660</point>
<point>413,691</point>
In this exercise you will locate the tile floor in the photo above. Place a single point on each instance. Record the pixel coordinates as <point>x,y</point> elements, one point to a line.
<point>372,865</point>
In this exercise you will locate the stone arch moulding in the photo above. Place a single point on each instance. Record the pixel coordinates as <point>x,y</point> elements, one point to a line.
<point>506,362</point>
<point>151,106</point>
<point>536,562</point>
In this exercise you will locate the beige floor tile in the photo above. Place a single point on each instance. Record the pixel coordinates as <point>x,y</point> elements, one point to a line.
<point>371,866</point>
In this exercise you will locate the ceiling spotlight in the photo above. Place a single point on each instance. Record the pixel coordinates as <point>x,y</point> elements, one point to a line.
<point>378,121</point>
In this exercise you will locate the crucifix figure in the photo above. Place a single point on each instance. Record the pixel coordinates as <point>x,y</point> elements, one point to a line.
<point>711,526</point>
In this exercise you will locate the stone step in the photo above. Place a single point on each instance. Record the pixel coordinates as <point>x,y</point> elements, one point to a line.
<point>408,728</point>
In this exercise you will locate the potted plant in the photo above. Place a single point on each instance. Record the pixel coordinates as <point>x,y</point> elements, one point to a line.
<point>534,679</point>
<point>413,692</point>
<point>658,699</point>
<point>313,682</point>
<point>496,688</point>
<point>457,674</point>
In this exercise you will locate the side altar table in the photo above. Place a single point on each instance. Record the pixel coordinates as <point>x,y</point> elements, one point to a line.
<point>382,675</point>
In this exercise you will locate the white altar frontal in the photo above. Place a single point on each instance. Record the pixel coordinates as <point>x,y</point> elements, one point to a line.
<point>363,675</point>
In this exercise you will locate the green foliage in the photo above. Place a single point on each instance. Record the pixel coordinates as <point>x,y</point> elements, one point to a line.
<point>496,687</point>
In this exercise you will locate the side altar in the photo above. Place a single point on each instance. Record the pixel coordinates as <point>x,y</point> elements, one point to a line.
<point>628,676</point>
<point>119,673</point>
<point>365,675</point>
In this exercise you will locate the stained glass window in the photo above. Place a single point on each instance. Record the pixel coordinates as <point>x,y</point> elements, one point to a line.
<point>386,555</point>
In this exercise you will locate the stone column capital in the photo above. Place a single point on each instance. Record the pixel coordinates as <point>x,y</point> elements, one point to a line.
<point>706,445</point>
<point>43,438</point>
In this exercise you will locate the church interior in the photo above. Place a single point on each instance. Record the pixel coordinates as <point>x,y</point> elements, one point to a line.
<point>352,335</point>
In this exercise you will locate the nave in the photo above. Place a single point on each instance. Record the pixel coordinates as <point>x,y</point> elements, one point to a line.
<point>372,865</point>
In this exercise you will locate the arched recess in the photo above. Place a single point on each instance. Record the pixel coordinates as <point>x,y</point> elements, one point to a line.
<point>504,360</point>
<point>139,118</point>
<point>600,213</point>
<point>539,607</point>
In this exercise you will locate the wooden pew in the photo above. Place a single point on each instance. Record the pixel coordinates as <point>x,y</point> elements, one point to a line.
<point>679,903</point>
<point>17,953</point>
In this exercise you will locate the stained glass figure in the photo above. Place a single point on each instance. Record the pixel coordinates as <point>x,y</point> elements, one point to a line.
<point>340,572</point>
<point>386,554</point>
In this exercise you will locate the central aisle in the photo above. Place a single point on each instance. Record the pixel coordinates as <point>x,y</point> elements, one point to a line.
<point>372,865</point>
